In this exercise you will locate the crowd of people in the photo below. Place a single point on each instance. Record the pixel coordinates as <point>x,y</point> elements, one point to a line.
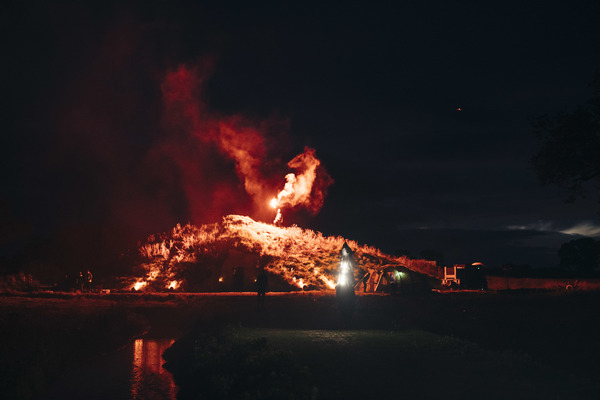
<point>81,282</point>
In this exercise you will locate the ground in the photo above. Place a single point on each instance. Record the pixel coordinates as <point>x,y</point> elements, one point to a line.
<point>422,345</point>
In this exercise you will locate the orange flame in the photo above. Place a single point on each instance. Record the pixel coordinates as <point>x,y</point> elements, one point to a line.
<point>301,257</point>
<point>301,188</point>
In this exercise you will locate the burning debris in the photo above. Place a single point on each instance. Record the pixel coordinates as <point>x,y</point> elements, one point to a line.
<point>199,258</point>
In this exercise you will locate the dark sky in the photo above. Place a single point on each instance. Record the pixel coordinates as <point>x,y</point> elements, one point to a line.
<point>91,156</point>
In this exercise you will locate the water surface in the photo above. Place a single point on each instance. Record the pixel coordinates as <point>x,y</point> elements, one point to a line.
<point>133,373</point>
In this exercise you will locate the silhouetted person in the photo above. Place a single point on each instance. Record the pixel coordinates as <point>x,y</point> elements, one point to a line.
<point>262,285</point>
<point>66,283</point>
<point>393,285</point>
<point>88,281</point>
<point>238,279</point>
<point>366,281</point>
<point>79,282</point>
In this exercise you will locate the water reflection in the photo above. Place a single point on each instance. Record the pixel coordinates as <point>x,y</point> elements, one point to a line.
<point>133,373</point>
<point>148,378</point>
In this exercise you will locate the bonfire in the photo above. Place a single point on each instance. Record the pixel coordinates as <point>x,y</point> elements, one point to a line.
<point>229,252</point>
<point>303,258</point>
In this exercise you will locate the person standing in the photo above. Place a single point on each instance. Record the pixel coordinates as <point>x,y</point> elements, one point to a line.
<point>79,282</point>
<point>88,281</point>
<point>366,281</point>
<point>262,285</point>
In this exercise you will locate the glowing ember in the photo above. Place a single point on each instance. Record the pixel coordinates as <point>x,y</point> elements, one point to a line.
<point>298,282</point>
<point>303,258</point>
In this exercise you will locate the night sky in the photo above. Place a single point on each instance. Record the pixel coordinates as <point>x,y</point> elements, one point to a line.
<point>421,113</point>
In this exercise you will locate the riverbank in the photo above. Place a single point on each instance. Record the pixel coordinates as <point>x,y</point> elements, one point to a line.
<point>42,337</point>
<point>518,345</point>
<point>552,335</point>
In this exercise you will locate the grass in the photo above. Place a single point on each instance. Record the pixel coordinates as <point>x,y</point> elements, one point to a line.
<point>457,345</point>
<point>363,364</point>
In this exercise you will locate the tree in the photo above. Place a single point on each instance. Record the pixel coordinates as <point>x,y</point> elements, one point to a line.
<point>569,153</point>
<point>582,255</point>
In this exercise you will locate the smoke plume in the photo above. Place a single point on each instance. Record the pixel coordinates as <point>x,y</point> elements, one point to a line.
<point>206,144</point>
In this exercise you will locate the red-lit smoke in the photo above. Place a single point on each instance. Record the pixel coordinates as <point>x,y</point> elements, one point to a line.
<point>129,149</point>
<point>216,153</point>
<point>305,188</point>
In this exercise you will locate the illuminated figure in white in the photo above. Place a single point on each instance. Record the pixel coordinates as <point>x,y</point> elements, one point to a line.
<point>345,281</point>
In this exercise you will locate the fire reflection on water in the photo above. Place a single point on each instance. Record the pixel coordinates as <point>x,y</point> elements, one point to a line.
<point>149,380</point>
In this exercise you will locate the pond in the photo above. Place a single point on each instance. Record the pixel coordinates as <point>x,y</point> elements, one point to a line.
<point>134,372</point>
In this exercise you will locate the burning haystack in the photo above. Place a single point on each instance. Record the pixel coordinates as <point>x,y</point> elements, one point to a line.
<point>200,258</point>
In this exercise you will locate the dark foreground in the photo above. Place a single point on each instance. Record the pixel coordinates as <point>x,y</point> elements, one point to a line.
<point>459,345</point>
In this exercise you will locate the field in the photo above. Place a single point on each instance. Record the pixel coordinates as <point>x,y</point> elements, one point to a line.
<point>455,345</point>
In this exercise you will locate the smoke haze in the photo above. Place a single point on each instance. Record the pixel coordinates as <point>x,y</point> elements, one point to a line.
<point>130,146</point>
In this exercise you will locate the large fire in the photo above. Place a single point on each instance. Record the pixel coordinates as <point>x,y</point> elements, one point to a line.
<point>204,142</point>
<point>303,258</point>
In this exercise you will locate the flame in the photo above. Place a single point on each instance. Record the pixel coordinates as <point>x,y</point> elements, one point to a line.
<point>248,146</point>
<point>304,258</point>
<point>328,282</point>
<point>302,188</point>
